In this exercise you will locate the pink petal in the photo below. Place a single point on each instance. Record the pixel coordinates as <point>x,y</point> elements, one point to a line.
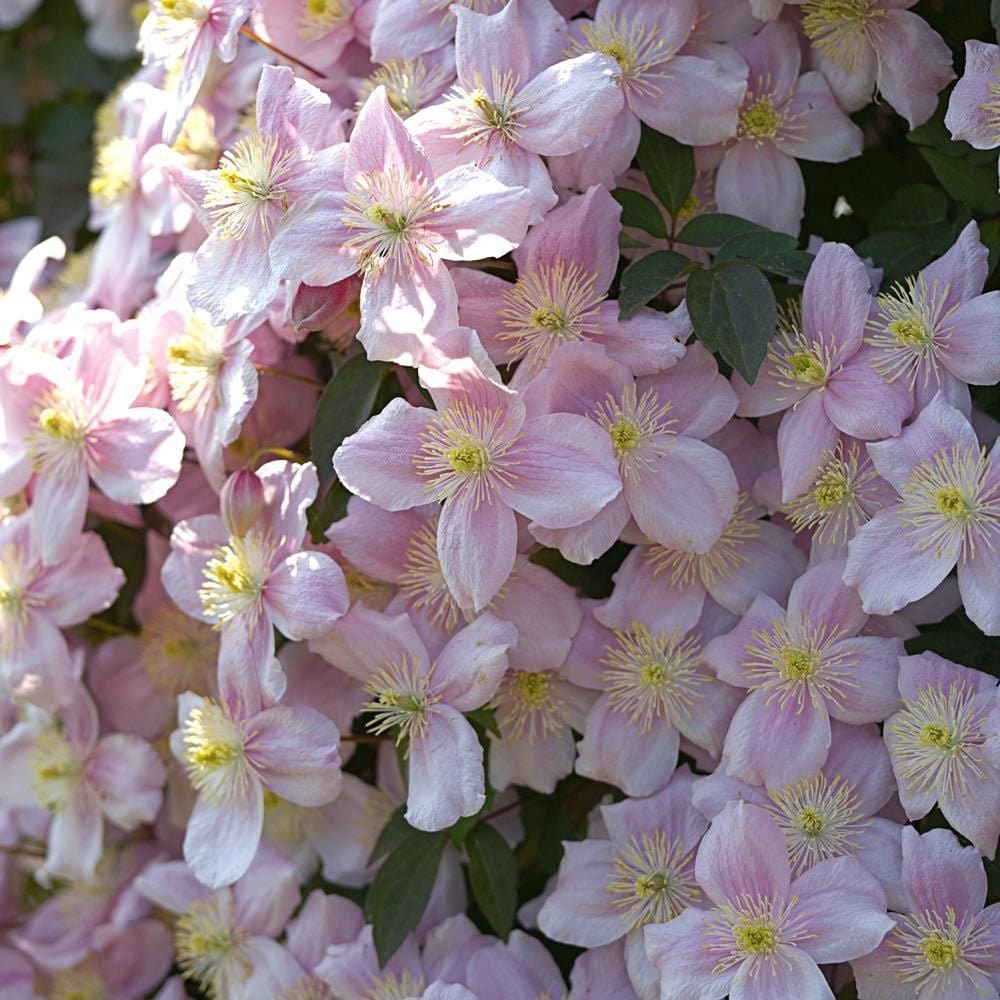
<point>973,353</point>
<point>979,584</point>
<point>137,458</point>
<point>566,473</point>
<point>129,777</point>
<point>472,664</point>
<point>762,184</point>
<point>477,546</point>
<point>820,596</point>
<point>306,594</point>
<point>83,584</point>
<point>742,855</point>
<point>759,723</point>
<point>837,297</point>
<point>939,873</point>
<point>311,243</point>
<point>446,771</point>
<point>490,45</point>
<point>296,751</point>
<point>805,435</point>
<point>379,139</point>
<point>967,119</point>
<point>821,131</point>
<point>859,403</point>
<point>222,837</point>
<point>843,906</point>
<point>377,461</point>
<point>233,278</point>
<point>76,837</point>
<point>580,911</point>
<point>687,967</point>
<point>59,507</point>
<point>585,542</point>
<point>870,693</point>
<point>793,973</point>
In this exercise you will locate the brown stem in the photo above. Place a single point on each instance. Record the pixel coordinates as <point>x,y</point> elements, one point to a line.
<point>244,30</point>
<point>109,628</point>
<point>268,370</point>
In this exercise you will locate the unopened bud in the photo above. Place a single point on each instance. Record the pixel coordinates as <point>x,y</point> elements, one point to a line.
<point>313,308</point>
<point>242,502</point>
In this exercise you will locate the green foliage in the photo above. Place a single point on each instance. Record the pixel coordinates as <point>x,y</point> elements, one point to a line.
<point>493,877</point>
<point>645,278</point>
<point>733,311</point>
<point>640,213</point>
<point>668,166</point>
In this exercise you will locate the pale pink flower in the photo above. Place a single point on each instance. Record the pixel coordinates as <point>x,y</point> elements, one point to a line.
<point>281,162</point>
<point>316,32</point>
<point>62,764</point>
<point>767,933</point>
<point>801,667</point>
<point>654,687</point>
<point>864,46</point>
<point>832,813</point>
<point>482,457</point>
<point>220,935</point>
<point>190,31</point>
<point>72,420</point>
<point>938,746</point>
<point>37,601</point>
<point>948,512</point>
<point>680,491</point>
<point>937,331</point>
<point>245,572</point>
<point>688,89</point>
<point>784,117</point>
<point>388,214</point>
<point>818,370</point>
<point>422,700</point>
<point>641,873</point>
<point>521,966</point>
<point>974,106</point>
<point>503,117</point>
<point>566,265</point>
<point>944,944</point>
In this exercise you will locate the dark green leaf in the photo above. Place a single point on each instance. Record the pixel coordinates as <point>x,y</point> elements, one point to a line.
<point>626,241</point>
<point>638,211</point>
<point>973,184</point>
<point>989,233</point>
<point>903,251</point>
<point>992,881</point>
<point>957,639</point>
<point>913,205</point>
<point>401,889</point>
<point>995,17</point>
<point>733,312</point>
<point>395,831</point>
<point>332,507</point>
<point>346,403</point>
<point>485,718</point>
<point>668,166</point>
<point>493,877</point>
<point>774,252</point>
<point>645,278</point>
<point>714,229</point>
<point>848,992</point>
<point>594,579</point>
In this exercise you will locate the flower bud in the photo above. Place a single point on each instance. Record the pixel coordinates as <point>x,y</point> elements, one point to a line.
<point>314,307</point>
<point>242,502</point>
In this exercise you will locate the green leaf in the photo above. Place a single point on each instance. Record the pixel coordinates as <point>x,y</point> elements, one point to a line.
<point>645,278</point>
<point>400,891</point>
<point>485,718</point>
<point>324,511</point>
<point>668,166</point>
<point>345,404</point>
<point>625,241</point>
<point>989,233</point>
<point>714,229</point>
<point>638,211</point>
<point>903,251</point>
<point>733,312</point>
<point>493,877</point>
<point>395,831</point>
<point>973,184</point>
<point>773,252</point>
<point>594,579</point>
<point>913,205</point>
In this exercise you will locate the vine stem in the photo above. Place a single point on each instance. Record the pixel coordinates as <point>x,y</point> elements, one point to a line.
<point>251,34</point>
<point>268,370</point>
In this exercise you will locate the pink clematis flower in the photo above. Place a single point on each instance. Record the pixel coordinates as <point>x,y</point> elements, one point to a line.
<point>866,45</point>
<point>392,217</point>
<point>948,512</point>
<point>687,89</point>
<point>241,204</point>
<point>18,303</point>
<point>944,943</point>
<point>802,666</point>
<point>521,966</point>
<point>235,749</point>
<point>72,420</point>
<point>220,935</point>
<point>818,370</point>
<point>245,573</point>
<point>190,31</point>
<point>767,933</point>
<point>974,106</point>
<point>680,491</point>
<point>503,117</point>
<point>37,601</point>
<point>642,873</point>
<point>480,456</point>
<point>938,746</point>
<point>423,699</point>
<point>937,331</point>
<point>830,814</point>
<point>80,778</point>
<point>784,118</point>
<point>566,265</point>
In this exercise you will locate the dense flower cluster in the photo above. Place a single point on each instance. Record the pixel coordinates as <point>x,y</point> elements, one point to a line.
<point>273,674</point>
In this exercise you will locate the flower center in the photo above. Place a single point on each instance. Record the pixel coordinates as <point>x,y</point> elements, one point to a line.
<point>322,16</point>
<point>400,699</point>
<point>114,171</point>
<point>423,582</point>
<point>176,651</point>
<point>756,937</point>
<point>212,745</point>
<point>761,120</point>
<point>625,436</point>
<point>185,10</point>
<point>910,331</point>
<point>937,734</point>
<point>832,492</point>
<point>811,823</point>
<point>939,952</point>
<point>247,193</point>
<point>532,688</point>
<point>799,664</point>
<point>235,577</point>
<point>57,770</point>
<point>193,362</point>
<point>468,458</point>
<point>634,44</point>
<point>805,366</point>
<point>637,427</point>
<point>409,84</point>
<point>528,706</point>
<point>952,504</point>
<point>205,940</point>
<point>840,29</point>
